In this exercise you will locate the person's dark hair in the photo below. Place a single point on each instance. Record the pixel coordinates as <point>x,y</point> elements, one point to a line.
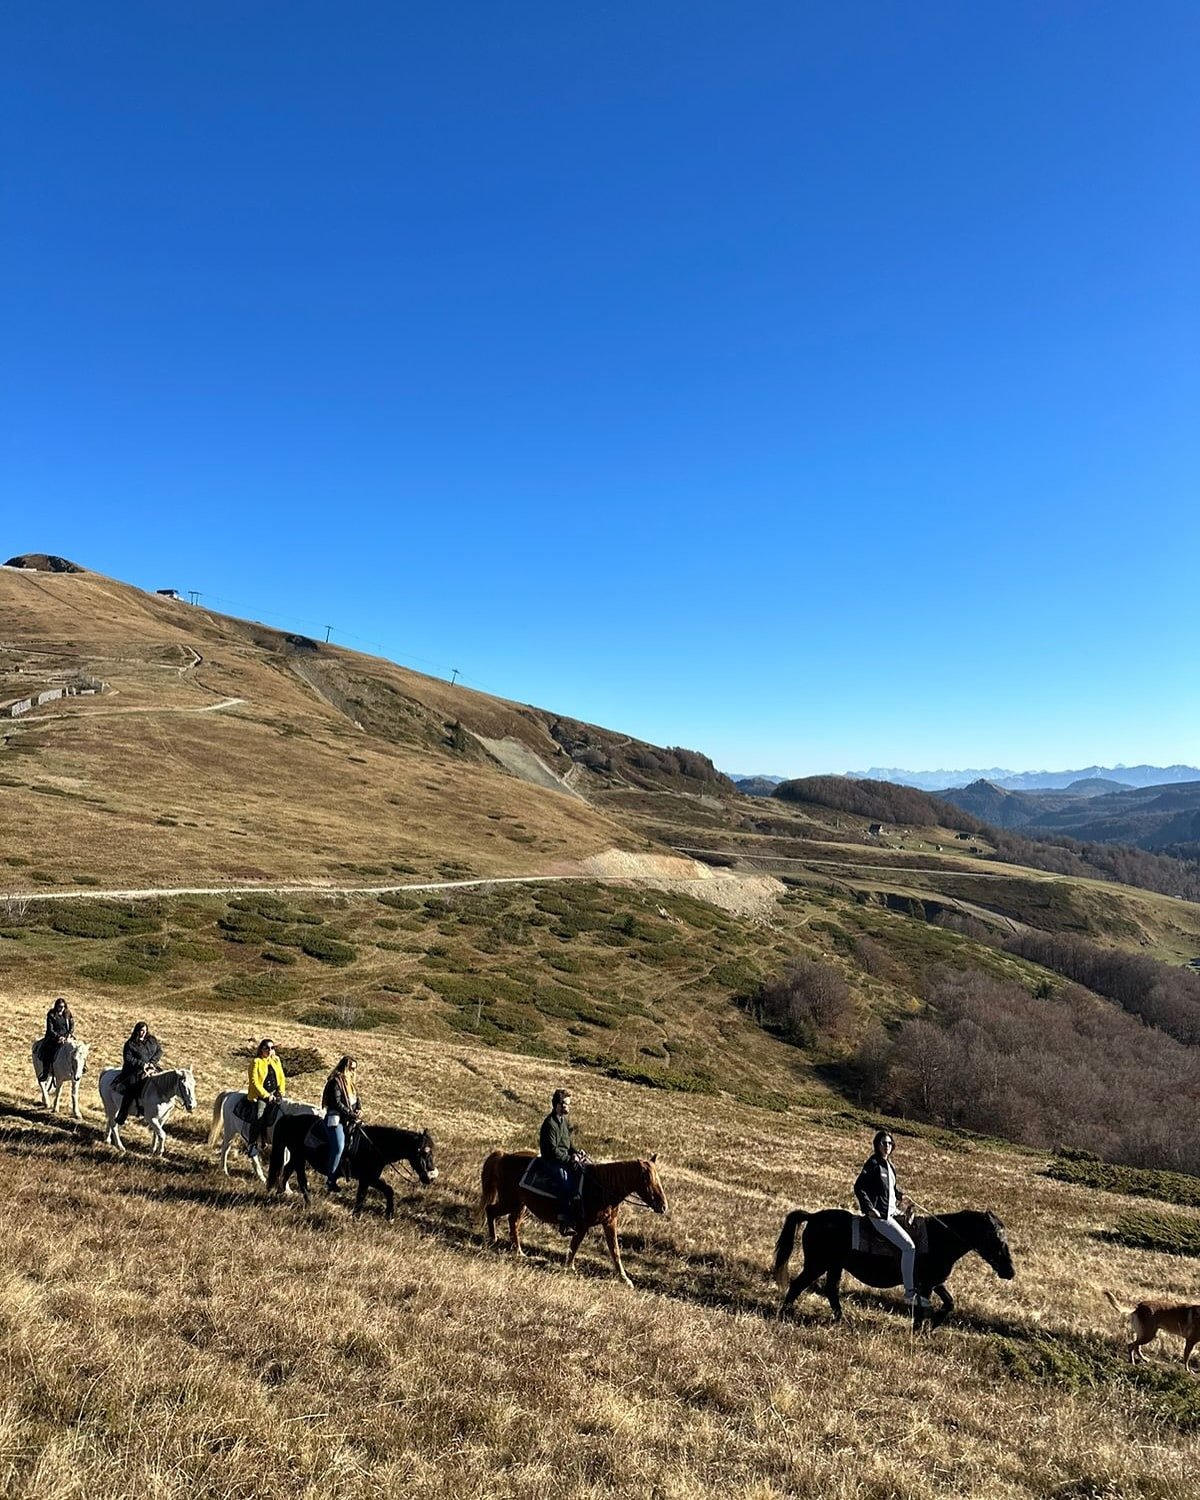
<point>266,1042</point>
<point>62,1000</point>
<point>343,1063</point>
<point>558,1097</point>
<point>138,1025</point>
<point>880,1136</point>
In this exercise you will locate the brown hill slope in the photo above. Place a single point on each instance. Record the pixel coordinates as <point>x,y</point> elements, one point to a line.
<point>222,750</point>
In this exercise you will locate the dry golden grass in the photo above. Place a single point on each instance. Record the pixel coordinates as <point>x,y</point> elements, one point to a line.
<point>163,1331</point>
<point>151,785</point>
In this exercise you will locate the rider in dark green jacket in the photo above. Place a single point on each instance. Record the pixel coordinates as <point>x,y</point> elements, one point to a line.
<point>562,1159</point>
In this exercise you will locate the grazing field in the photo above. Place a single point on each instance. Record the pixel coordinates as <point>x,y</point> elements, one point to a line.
<point>163,1329</point>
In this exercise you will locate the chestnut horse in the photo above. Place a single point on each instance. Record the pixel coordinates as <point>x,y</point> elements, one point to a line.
<point>605,1186</point>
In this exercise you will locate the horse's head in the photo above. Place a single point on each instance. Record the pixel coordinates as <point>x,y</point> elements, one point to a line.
<point>994,1248</point>
<point>186,1089</point>
<point>422,1159</point>
<point>650,1189</point>
<point>81,1056</point>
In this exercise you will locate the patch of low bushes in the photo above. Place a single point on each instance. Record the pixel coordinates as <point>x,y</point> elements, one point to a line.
<point>1087,1362</point>
<point>98,919</point>
<point>1148,1229</point>
<point>328,949</point>
<point>1086,1170</point>
<point>109,972</point>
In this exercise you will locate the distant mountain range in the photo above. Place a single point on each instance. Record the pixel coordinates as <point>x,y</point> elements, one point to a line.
<point>1030,781</point>
<point>1162,818</point>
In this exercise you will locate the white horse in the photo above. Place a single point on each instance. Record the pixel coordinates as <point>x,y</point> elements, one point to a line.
<point>160,1093</point>
<point>228,1129</point>
<point>70,1059</point>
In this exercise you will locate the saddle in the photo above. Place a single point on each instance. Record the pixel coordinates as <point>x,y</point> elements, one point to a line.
<point>315,1138</point>
<point>539,1179</point>
<point>867,1240</point>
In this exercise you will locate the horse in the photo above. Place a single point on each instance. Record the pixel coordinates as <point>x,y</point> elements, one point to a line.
<point>369,1153</point>
<point>228,1128</point>
<point>160,1093</point>
<point>827,1248</point>
<point>604,1187</point>
<point>70,1059</point>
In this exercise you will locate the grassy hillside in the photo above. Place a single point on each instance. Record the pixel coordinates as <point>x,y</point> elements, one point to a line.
<point>242,1337</point>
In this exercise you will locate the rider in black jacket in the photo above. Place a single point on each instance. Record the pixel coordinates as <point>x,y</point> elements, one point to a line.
<point>141,1055</point>
<point>60,1024</point>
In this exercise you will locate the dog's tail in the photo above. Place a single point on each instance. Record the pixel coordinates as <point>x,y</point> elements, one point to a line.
<point>1124,1311</point>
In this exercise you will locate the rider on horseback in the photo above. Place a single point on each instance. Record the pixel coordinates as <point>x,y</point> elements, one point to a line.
<point>140,1059</point>
<point>342,1114</point>
<point>60,1025</point>
<point>265,1085</point>
<point>564,1162</point>
<point>879,1196</point>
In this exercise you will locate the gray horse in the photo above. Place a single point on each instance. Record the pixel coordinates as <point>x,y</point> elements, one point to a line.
<point>228,1129</point>
<point>160,1094</point>
<point>70,1059</point>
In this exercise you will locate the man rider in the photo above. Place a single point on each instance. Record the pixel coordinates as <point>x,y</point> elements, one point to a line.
<point>60,1024</point>
<point>141,1055</point>
<point>266,1084</point>
<point>556,1146</point>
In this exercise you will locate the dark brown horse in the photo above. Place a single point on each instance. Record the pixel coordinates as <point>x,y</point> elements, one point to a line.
<point>605,1186</point>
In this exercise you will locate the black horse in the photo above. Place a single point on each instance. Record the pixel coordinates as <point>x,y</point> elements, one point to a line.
<point>372,1150</point>
<point>826,1242</point>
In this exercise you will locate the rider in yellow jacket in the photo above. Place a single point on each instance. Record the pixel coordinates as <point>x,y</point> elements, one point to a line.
<point>266,1081</point>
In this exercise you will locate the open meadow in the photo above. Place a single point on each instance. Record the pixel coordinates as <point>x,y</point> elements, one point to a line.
<point>165,1330</point>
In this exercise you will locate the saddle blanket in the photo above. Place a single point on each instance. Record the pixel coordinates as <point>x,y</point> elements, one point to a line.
<point>868,1241</point>
<point>541,1179</point>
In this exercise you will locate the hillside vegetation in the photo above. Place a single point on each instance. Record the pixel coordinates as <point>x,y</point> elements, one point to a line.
<point>745,985</point>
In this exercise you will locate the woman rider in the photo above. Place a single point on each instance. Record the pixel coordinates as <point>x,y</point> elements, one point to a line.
<point>340,1104</point>
<point>265,1084</point>
<point>142,1052</point>
<point>60,1024</point>
<point>879,1196</point>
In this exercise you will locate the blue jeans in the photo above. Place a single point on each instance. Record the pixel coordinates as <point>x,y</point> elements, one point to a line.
<point>566,1179</point>
<point>335,1139</point>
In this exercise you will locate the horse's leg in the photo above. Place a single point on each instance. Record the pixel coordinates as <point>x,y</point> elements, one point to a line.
<point>833,1285</point>
<point>56,1090</point>
<point>361,1196</point>
<point>75,1099</point>
<point>799,1284</point>
<point>514,1228</point>
<point>943,1312</point>
<point>386,1190</point>
<point>573,1248</point>
<point>614,1247</point>
<point>493,1213</point>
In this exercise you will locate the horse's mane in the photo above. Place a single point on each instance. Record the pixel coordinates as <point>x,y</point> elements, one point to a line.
<point>623,1177</point>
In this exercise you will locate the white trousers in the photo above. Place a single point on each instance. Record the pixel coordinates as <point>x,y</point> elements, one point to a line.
<point>903,1242</point>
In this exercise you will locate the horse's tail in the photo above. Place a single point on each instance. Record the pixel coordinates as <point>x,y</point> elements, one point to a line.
<point>489,1183</point>
<point>218,1120</point>
<point>785,1245</point>
<point>1124,1311</point>
<point>279,1150</point>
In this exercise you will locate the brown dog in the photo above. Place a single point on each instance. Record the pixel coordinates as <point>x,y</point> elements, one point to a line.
<point>1147,1318</point>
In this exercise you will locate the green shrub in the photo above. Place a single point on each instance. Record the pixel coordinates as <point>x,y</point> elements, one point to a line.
<point>129,975</point>
<point>278,956</point>
<point>328,949</point>
<point>397,900</point>
<point>1147,1229</point>
<point>96,919</point>
<point>197,953</point>
<point>1136,1182</point>
<point>263,989</point>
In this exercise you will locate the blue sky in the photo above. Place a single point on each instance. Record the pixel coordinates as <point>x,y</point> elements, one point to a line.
<point>815,386</point>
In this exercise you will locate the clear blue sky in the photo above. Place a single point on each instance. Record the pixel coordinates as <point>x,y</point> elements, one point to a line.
<point>813,385</point>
